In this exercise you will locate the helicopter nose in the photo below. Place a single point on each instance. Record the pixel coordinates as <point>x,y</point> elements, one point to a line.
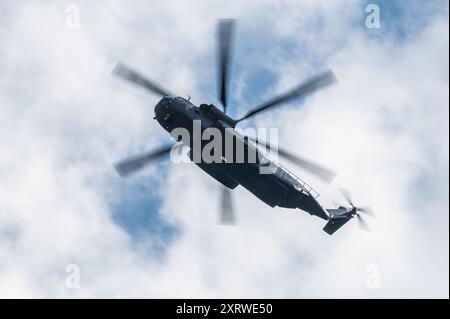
<point>164,111</point>
<point>162,107</point>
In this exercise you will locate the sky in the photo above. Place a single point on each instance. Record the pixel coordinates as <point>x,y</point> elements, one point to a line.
<point>71,228</point>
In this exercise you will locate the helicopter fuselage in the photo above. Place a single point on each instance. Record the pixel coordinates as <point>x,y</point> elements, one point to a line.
<point>280,187</point>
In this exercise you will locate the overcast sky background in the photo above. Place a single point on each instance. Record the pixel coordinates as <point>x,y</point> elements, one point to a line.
<point>65,120</point>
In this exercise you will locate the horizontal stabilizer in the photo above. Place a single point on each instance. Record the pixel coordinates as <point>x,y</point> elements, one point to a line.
<point>335,223</point>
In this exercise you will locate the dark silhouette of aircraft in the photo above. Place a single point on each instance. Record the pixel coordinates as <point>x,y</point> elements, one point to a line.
<point>280,187</point>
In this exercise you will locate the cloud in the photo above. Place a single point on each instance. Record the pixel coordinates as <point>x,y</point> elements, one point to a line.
<point>64,120</point>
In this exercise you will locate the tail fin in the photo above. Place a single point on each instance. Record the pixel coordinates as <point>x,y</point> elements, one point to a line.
<point>336,223</point>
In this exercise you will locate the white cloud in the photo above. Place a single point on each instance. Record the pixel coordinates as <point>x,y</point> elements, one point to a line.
<point>64,119</point>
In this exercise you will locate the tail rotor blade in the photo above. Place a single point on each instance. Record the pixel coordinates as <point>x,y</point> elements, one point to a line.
<point>347,195</point>
<point>367,210</point>
<point>227,213</point>
<point>314,84</point>
<point>131,165</point>
<point>362,223</point>
<point>134,77</point>
<point>224,41</point>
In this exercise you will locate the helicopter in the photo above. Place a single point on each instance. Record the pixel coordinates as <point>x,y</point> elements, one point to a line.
<point>280,187</point>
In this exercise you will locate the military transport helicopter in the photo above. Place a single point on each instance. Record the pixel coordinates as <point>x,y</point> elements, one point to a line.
<point>279,188</point>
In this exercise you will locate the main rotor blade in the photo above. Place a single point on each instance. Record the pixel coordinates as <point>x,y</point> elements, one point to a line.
<point>226,214</point>
<point>310,86</point>
<point>131,165</point>
<point>224,40</point>
<point>347,195</point>
<point>367,210</point>
<point>362,223</point>
<point>128,74</point>
<point>323,173</point>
